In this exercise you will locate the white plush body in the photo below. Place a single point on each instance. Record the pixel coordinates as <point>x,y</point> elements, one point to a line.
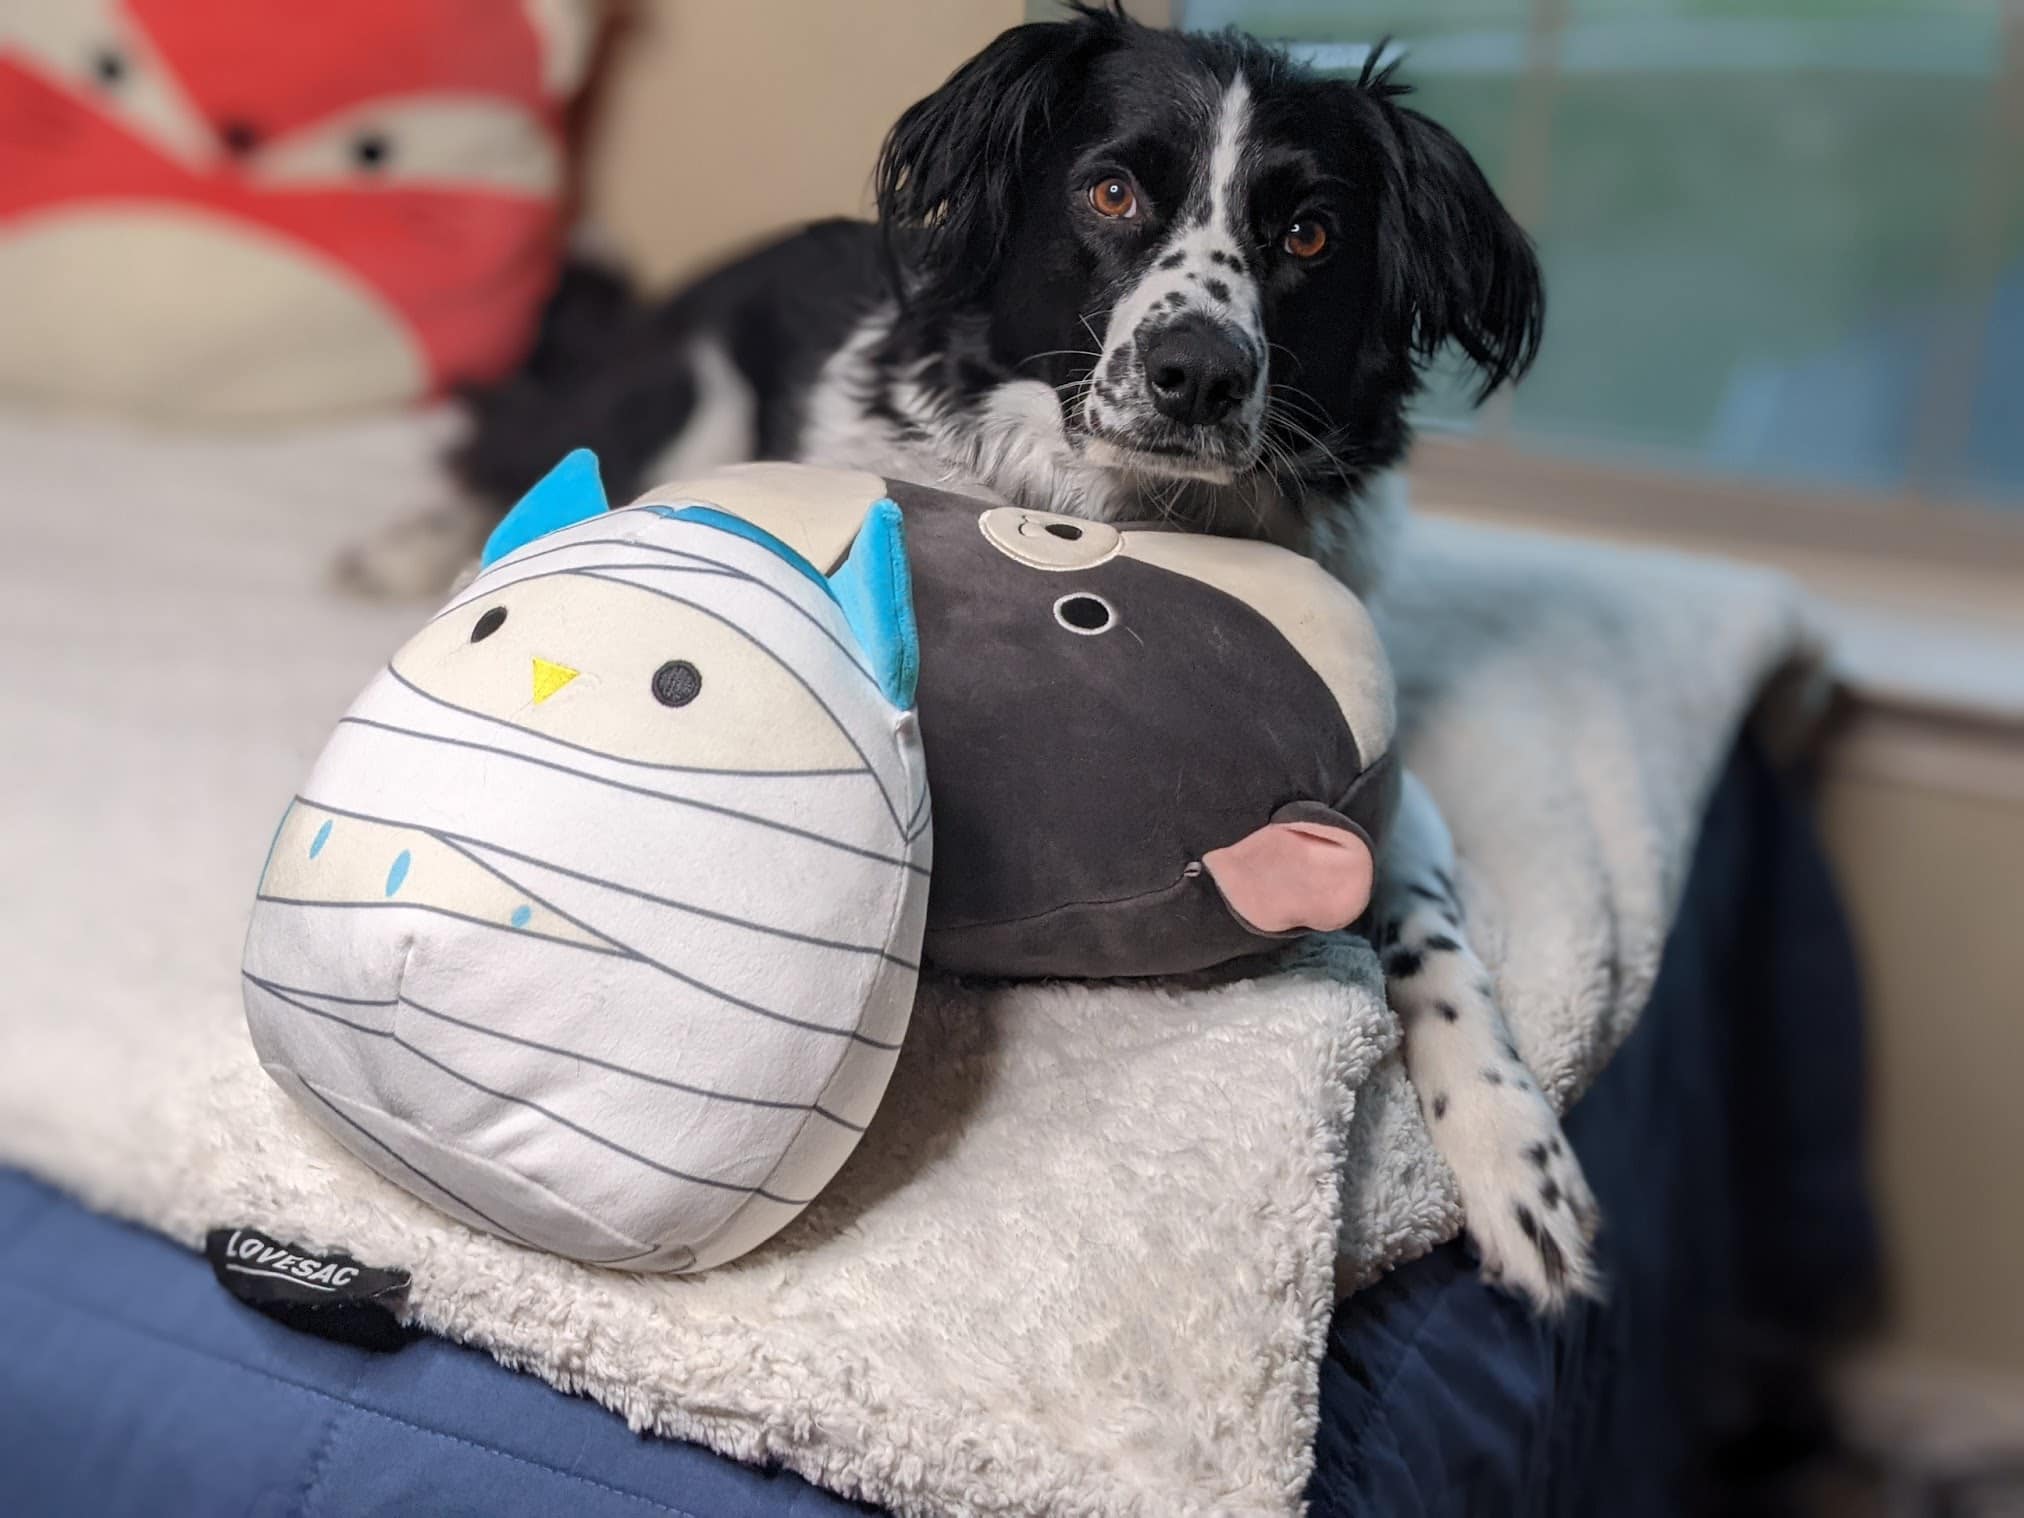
<point>613,978</point>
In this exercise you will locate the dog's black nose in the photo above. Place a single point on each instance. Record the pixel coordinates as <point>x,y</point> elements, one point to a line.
<point>1196,370</point>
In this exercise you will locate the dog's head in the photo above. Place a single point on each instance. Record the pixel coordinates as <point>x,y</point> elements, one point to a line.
<point>1223,263</point>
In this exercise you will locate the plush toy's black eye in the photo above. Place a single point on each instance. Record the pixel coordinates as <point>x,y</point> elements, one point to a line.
<point>371,150</point>
<point>1085,614</point>
<point>1064,530</point>
<point>677,683</point>
<point>488,624</point>
<point>109,65</point>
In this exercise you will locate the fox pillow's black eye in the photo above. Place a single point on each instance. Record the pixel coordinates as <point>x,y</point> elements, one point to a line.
<point>371,150</point>
<point>1085,614</point>
<point>488,624</point>
<point>1064,531</point>
<point>677,683</point>
<point>109,66</point>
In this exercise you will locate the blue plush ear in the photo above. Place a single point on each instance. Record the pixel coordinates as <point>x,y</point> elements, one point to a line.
<point>569,493</point>
<point>876,593</point>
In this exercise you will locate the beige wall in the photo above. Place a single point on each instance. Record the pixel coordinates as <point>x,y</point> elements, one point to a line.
<point>1934,880</point>
<point>724,119</point>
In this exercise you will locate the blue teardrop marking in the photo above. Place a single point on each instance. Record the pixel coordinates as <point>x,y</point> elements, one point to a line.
<point>273,844</point>
<point>522,916</point>
<point>399,872</point>
<point>322,837</point>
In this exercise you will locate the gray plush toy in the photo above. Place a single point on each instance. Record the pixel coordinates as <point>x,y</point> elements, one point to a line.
<point>1150,751</point>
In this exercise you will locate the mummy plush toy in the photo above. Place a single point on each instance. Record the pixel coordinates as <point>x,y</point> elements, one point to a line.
<point>598,920</point>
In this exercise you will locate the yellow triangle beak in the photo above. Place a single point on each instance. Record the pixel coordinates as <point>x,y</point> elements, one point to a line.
<point>550,678</point>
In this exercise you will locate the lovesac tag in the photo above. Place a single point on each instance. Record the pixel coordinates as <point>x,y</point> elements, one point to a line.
<point>330,1295</point>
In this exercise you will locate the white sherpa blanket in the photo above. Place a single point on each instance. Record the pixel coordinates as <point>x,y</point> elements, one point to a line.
<point>1082,1263</point>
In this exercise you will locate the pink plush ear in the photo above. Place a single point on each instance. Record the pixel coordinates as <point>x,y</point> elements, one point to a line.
<point>1293,875</point>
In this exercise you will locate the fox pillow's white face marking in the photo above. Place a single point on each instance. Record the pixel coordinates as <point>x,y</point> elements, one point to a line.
<point>626,671</point>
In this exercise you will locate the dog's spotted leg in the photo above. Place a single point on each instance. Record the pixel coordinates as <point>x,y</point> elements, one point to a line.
<point>1529,1210</point>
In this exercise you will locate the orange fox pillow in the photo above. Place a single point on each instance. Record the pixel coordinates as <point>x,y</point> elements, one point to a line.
<point>238,209</point>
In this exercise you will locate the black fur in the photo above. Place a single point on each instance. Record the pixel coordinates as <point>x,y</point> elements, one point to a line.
<point>952,179</point>
<point>613,373</point>
<point>988,267</point>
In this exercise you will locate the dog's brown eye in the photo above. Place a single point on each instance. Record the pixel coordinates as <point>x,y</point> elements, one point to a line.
<point>1306,239</point>
<point>1114,198</point>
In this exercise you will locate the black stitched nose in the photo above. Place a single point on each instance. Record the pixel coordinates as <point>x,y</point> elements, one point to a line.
<point>1195,370</point>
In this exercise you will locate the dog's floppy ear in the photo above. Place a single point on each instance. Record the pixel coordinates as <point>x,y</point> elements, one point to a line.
<point>1458,268</point>
<point>951,170</point>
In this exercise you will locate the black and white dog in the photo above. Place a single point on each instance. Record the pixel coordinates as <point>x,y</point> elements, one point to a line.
<point>1138,275</point>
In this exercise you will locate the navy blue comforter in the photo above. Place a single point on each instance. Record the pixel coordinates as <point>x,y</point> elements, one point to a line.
<point>1724,1143</point>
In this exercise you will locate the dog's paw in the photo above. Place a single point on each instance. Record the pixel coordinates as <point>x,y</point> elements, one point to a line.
<point>1528,1208</point>
<point>1527,1205</point>
<point>416,557</point>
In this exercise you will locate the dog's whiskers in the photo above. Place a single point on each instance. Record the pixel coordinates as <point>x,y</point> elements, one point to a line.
<point>1278,397</point>
<point>1034,358</point>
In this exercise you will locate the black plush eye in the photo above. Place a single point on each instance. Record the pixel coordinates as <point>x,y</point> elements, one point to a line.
<point>488,624</point>
<point>108,66</point>
<point>1064,530</point>
<point>1085,614</point>
<point>371,150</point>
<point>677,683</point>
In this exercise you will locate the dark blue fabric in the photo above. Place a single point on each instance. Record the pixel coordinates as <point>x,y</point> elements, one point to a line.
<point>130,1383</point>
<point>1724,1142</point>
